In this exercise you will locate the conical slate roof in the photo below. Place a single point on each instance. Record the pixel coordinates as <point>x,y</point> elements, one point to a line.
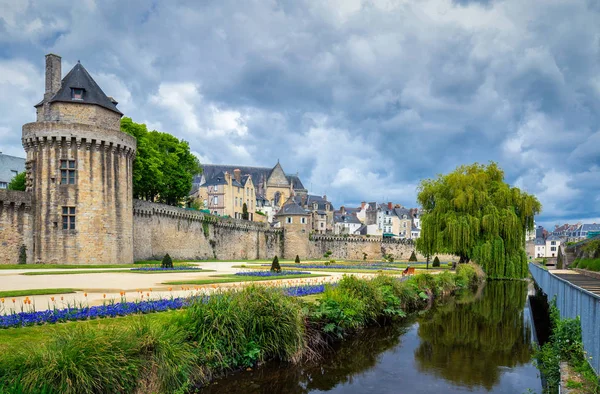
<point>79,78</point>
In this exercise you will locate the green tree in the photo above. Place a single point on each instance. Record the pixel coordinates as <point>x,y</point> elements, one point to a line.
<point>18,182</point>
<point>163,167</point>
<point>474,214</point>
<point>297,259</point>
<point>436,262</point>
<point>413,256</point>
<point>245,214</point>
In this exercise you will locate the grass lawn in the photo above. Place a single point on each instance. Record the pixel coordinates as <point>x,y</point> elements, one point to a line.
<point>74,266</point>
<point>237,278</point>
<point>12,338</point>
<point>331,269</point>
<point>311,298</point>
<point>32,292</point>
<point>111,272</point>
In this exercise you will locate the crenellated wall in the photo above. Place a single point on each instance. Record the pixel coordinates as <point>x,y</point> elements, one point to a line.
<point>159,229</point>
<point>15,226</point>
<point>354,248</point>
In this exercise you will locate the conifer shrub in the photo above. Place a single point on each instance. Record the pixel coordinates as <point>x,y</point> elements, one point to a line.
<point>413,256</point>
<point>297,261</point>
<point>23,254</point>
<point>436,262</point>
<point>167,262</point>
<point>275,267</point>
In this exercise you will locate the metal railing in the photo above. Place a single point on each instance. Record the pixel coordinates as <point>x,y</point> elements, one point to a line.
<point>573,301</point>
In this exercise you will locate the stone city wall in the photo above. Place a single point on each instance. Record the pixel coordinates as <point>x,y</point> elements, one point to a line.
<point>15,226</point>
<point>354,248</point>
<point>159,229</point>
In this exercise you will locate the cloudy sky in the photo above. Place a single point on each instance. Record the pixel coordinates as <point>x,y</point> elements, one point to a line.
<point>363,98</point>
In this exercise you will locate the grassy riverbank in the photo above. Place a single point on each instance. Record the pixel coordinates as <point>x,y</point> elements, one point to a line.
<point>172,352</point>
<point>565,345</point>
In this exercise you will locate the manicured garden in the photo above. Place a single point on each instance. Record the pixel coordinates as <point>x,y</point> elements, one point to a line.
<point>232,278</point>
<point>177,351</point>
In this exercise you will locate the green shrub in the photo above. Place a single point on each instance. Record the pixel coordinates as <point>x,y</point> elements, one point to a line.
<point>167,262</point>
<point>339,312</point>
<point>23,254</point>
<point>364,256</point>
<point>241,329</point>
<point>588,264</point>
<point>366,291</point>
<point>413,256</point>
<point>297,259</point>
<point>328,253</point>
<point>468,275</point>
<point>436,262</point>
<point>275,267</point>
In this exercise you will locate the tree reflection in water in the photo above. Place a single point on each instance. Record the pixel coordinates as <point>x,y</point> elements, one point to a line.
<point>470,343</point>
<point>466,340</point>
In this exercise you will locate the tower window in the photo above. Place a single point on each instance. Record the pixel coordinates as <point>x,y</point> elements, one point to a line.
<point>288,220</point>
<point>68,218</point>
<point>76,94</point>
<point>67,172</point>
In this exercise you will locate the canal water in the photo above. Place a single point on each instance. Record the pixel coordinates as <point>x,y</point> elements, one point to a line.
<point>469,343</point>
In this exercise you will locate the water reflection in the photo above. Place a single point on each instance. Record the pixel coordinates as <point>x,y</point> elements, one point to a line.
<point>472,343</point>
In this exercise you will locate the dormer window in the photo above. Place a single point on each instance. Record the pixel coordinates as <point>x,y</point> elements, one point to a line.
<point>76,94</point>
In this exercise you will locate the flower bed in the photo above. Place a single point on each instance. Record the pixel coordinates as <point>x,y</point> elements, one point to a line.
<point>122,308</point>
<point>343,266</point>
<point>271,273</point>
<point>166,269</point>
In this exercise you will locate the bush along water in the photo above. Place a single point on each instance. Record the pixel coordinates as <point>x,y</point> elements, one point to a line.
<point>212,335</point>
<point>565,345</point>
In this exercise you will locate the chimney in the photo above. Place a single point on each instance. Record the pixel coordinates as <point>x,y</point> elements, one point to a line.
<point>362,205</point>
<point>342,209</point>
<point>390,205</point>
<point>53,75</point>
<point>237,174</point>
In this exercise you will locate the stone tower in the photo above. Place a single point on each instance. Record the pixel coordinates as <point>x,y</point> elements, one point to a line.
<point>79,172</point>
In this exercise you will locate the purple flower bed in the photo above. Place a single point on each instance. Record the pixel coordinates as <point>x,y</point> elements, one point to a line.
<point>95,312</point>
<point>342,266</point>
<point>167,269</point>
<point>271,273</point>
<point>299,291</point>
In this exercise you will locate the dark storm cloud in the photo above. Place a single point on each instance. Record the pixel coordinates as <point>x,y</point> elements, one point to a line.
<point>362,98</point>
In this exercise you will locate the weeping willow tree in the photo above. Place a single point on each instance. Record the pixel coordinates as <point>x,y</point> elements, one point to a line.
<point>474,214</point>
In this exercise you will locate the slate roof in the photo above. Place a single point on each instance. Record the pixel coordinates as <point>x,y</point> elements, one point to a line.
<point>259,174</point>
<point>310,199</point>
<point>290,208</point>
<point>347,218</point>
<point>218,179</point>
<point>8,164</point>
<point>553,238</point>
<point>590,227</point>
<point>79,78</point>
<point>540,241</point>
<point>402,211</point>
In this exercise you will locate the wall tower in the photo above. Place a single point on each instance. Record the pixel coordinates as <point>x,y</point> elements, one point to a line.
<point>79,172</point>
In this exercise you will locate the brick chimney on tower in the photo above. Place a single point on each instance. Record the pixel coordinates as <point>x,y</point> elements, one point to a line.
<point>237,174</point>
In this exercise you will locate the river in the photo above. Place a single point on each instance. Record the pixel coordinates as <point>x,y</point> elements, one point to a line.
<point>468,343</point>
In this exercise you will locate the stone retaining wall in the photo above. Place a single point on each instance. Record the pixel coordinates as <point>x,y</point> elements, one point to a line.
<point>15,226</point>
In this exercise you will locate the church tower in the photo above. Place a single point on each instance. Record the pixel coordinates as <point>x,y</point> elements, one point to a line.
<point>79,172</point>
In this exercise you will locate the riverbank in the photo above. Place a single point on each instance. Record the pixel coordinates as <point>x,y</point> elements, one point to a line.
<point>229,331</point>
